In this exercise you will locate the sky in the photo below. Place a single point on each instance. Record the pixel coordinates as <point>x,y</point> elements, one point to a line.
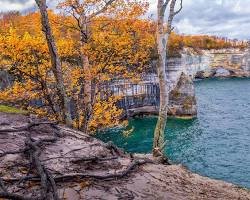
<point>226,18</point>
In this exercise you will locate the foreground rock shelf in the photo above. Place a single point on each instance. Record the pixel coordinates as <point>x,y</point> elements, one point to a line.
<point>41,159</point>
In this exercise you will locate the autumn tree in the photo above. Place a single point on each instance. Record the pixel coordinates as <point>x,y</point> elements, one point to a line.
<point>163,33</point>
<point>93,17</point>
<point>114,50</point>
<point>83,12</point>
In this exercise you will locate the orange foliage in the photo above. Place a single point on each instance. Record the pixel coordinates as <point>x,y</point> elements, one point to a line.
<point>120,45</point>
<point>116,48</point>
<point>199,42</point>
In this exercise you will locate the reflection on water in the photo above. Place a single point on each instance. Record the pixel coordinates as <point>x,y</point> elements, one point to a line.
<point>216,144</point>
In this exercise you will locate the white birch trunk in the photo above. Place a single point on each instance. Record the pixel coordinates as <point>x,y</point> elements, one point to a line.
<point>162,34</point>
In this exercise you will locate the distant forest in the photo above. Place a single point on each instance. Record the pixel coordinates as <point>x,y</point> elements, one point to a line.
<point>25,23</point>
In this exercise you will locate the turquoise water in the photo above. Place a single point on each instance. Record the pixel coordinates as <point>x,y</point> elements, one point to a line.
<point>216,144</point>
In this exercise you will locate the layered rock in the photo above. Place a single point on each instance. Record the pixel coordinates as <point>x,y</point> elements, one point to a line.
<point>86,168</point>
<point>223,63</point>
<point>143,97</point>
<point>182,101</point>
<point>222,72</point>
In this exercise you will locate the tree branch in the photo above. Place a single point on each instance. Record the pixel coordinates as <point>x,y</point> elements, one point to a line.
<point>172,14</point>
<point>8,195</point>
<point>93,159</point>
<point>103,9</point>
<point>179,10</point>
<point>67,177</point>
<point>165,6</point>
<point>13,196</point>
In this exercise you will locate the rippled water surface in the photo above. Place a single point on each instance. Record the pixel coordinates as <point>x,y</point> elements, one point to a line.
<point>216,144</point>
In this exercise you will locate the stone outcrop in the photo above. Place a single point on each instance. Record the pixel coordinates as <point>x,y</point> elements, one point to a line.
<point>222,72</point>
<point>86,168</point>
<point>218,63</point>
<point>182,101</point>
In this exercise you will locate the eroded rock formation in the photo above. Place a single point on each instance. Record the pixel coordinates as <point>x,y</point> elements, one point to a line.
<point>182,98</point>
<point>143,97</point>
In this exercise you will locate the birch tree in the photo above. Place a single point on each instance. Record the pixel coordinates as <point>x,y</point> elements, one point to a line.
<point>55,62</point>
<point>163,32</point>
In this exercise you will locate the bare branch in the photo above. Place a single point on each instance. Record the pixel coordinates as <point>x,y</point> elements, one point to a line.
<point>103,9</point>
<point>11,152</point>
<point>107,176</point>
<point>7,195</point>
<point>93,159</point>
<point>172,14</point>
<point>166,3</point>
<point>162,43</point>
<point>2,185</point>
<point>179,10</point>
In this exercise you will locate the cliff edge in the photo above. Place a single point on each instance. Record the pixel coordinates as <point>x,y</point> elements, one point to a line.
<point>43,160</point>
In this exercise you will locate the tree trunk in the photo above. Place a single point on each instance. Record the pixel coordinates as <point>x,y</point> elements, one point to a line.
<point>163,33</point>
<point>86,96</point>
<point>56,63</point>
<point>161,70</point>
<point>87,91</point>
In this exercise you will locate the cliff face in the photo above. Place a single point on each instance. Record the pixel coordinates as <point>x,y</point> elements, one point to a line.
<point>143,97</point>
<point>217,63</point>
<point>207,64</point>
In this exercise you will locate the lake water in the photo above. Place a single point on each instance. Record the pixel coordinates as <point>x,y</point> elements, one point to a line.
<point>216,144</point>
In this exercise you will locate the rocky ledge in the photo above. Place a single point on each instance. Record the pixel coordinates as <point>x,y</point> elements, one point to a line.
<point>222,72</point>
<point>43,160</point>
<point>182,100</point>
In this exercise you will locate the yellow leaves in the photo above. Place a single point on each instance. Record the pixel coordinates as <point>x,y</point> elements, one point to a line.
<point>41,112</point>
<point>118,46</point>
<point>67,47</point>
<point>122,45</point>
<point>85,184</point>
<point>198,42</point>
<point>20,48</point>
<point>23,170</point>
<point>127,133</point>
<point>106,114</point>
<point>19,91</point>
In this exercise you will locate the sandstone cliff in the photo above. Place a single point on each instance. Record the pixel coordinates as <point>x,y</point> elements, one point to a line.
<point>143,97</point>
<point>216,63</point>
